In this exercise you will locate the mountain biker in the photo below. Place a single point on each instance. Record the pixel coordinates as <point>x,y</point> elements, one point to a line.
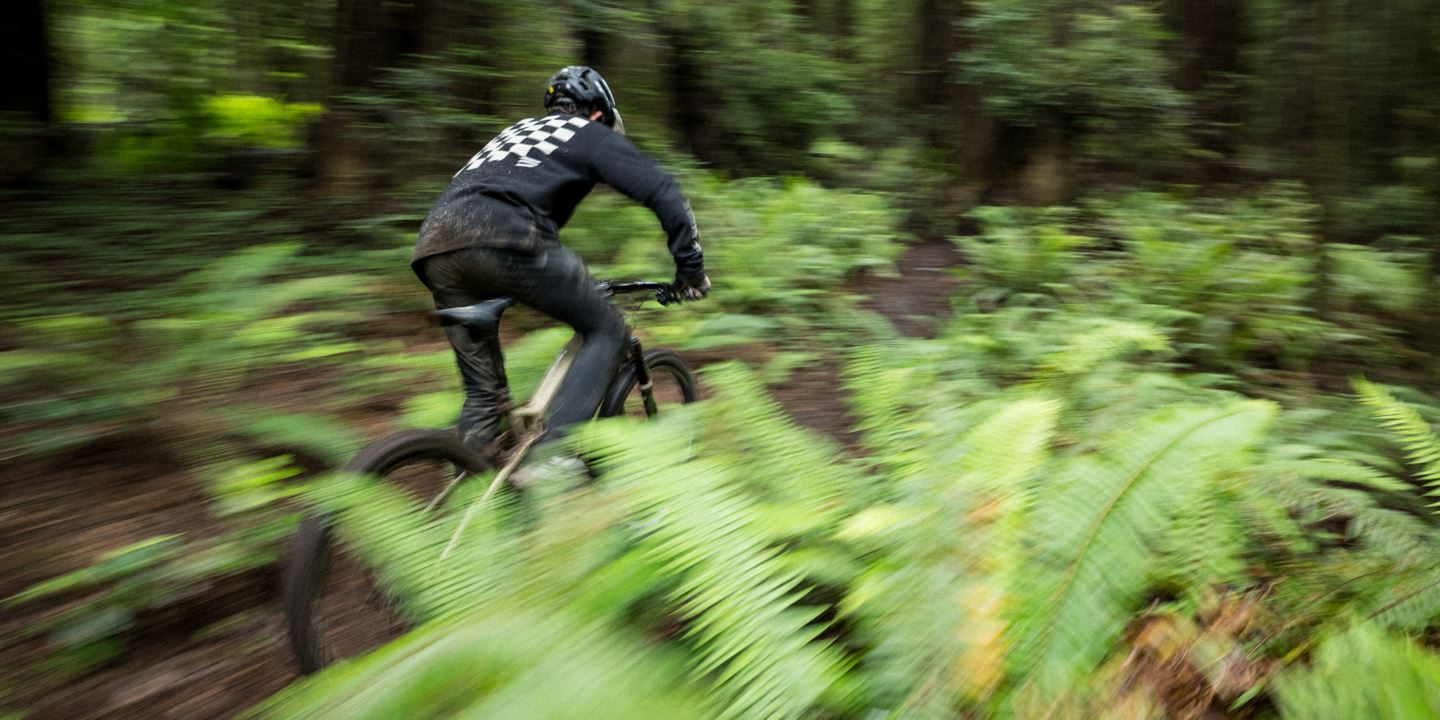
<point>494,233</point>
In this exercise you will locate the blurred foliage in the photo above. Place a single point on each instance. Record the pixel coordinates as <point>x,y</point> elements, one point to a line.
<point>1337,94</point>
<point>510,662</point>
<point>1125,479</point>
<point>123,585</point>
<point>1089,63</point>
<point>258,121</point>
<point>993,553</point>
<point>1236,284</point>
<point>1342,682</point>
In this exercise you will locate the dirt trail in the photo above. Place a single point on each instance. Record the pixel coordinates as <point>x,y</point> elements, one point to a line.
<point>916,302</point>
<point>210,655</point>
<point>919,299</point>
<point>216,655</point>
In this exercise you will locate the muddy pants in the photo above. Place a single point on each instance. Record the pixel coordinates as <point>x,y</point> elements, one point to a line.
<point>553,281</point>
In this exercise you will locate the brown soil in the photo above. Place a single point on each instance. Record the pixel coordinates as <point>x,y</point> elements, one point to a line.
<point>209,655</point>
<point>216,654</point>
<point>919,299</point>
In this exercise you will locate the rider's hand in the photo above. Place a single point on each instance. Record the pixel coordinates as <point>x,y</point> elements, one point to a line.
<point>692,288</point>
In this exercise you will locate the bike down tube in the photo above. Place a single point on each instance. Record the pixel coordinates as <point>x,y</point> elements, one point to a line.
<point>541,399</point>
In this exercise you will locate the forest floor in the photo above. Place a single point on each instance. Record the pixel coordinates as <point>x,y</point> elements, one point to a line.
<point>219,652</point>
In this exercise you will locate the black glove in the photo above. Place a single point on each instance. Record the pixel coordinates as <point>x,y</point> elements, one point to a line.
<point>692,287</point>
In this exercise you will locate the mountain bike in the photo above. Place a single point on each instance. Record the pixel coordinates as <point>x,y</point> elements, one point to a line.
<point>333,606</point>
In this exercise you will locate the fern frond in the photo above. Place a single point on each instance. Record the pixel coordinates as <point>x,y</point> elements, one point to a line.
<point>1421,445</point>
<point>1095,526</point>
<point>936,595</point>
<point>1362,673</point>
<point>1208,539</point>
<point>1308,487</point>
<point>1412,600</point>
<point>699,523</point>
<point>1108,340</point>
<point>386,529</point>
<point>503,662</point>
<point>1385,564</point>
<point>886,385</point>
<point>786,465</point>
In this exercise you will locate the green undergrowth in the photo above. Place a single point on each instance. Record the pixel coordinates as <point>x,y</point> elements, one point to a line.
<point>1241,286</point>
<point>994,553</point>
<point>1143,420</point>
<point>249,350</point>
<point>194,297</point>
<point>1115,484</point>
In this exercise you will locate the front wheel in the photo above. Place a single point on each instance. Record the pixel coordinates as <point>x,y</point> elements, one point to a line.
<point>672,381</point>
<point>334,607</point>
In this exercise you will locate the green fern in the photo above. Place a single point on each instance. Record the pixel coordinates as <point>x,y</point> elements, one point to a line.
<point>1094,530</point>
<point>1391,549</point>
<point>1421,445</point>
<point>1208,540</point>
<point>1107,340</point>
<point>1317,489</point>
<point>1362,674</point>
<point>935,596</point>
<point>503,662</point>
<point>1411,600</point>
<point>385,529</point>
<point>786,465</point>
<point>750,635</point>
<point>676,516</point>
<point>884,381</point>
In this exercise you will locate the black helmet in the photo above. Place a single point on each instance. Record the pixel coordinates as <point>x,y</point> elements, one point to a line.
<point>585,86</point>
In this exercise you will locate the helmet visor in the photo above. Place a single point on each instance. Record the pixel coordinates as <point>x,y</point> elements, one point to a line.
<point>619,125</point>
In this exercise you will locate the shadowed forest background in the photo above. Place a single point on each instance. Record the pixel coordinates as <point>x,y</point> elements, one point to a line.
<point>1066,358</point>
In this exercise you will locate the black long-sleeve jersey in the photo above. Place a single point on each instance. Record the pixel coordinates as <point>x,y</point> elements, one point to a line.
<point>522,187</point>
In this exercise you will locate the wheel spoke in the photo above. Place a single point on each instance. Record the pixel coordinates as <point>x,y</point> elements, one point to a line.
<point>446,492</point>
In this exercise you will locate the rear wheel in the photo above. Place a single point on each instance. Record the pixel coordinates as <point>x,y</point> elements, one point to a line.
<point>334,607</point>
<point>672,381</point>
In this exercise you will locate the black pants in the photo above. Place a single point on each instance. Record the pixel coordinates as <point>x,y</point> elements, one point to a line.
<point>553,281</point>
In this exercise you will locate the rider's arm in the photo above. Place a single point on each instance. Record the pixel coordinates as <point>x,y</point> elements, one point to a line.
<point>619,164</point>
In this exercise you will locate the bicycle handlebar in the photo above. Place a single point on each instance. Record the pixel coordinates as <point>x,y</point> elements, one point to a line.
<point>664,292</point>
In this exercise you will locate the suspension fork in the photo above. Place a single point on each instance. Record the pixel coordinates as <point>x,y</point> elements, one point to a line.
<point>647,388</point>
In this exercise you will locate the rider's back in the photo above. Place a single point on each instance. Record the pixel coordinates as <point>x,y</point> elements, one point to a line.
<point>523,186</point>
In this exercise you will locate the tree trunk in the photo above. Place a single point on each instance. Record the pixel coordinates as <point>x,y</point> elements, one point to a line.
<point>594,47</point>
<point>844,30</point>
<point>370,35</point>
<point>25,110</point>
<point>1211,36</point>
<point>966,131</point>
<point>1329,153</point>
<point>596,36</point>
<point>691,104</point>
<point>936,21</point>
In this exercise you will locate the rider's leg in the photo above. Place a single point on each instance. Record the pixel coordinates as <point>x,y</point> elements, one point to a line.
<point>569,295</point>
<point>555,282</point>
<point>482,366</point>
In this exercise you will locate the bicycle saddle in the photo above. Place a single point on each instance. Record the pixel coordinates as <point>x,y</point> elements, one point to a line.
<point>477,317</point>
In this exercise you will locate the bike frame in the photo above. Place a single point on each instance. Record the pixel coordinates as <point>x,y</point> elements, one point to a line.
<point>527,421</point>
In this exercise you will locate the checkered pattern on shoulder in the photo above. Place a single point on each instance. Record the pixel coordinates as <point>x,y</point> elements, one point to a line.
<point>540,136</point>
